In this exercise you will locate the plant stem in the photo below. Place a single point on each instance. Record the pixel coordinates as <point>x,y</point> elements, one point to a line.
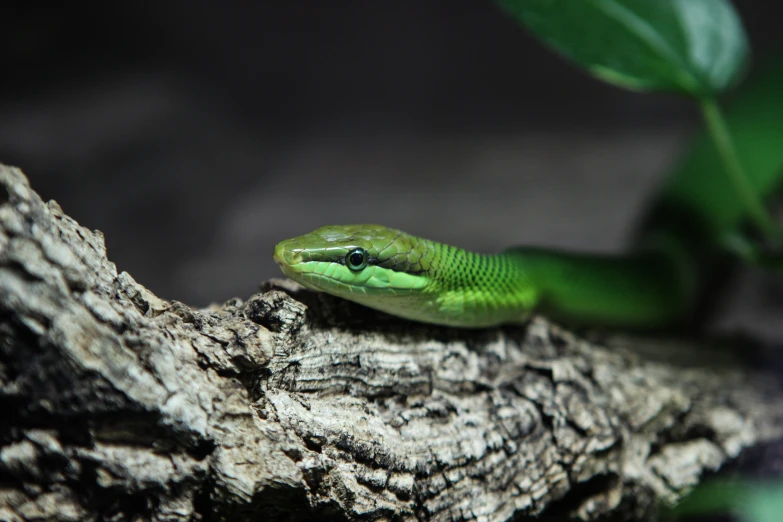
<point>723,142</point>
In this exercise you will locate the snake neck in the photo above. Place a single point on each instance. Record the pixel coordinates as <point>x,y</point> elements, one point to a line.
<point>477,290</point>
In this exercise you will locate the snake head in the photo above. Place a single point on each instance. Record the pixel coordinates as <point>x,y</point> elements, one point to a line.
<point>355,262</point>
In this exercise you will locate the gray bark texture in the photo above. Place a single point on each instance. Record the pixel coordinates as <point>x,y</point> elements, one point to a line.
<point>290,405</point>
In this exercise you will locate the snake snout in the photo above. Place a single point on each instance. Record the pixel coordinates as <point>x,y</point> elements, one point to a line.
<point>286,255</point>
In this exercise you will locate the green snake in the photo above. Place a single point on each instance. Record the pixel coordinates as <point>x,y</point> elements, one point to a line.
<point>658,283</point>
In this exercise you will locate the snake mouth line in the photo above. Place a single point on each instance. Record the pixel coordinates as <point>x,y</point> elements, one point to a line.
<point>320,282</point>
<point>294,267</point>
<point>327,283</point>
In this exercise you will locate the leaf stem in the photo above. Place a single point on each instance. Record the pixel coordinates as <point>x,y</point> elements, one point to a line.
<point>725,145</point>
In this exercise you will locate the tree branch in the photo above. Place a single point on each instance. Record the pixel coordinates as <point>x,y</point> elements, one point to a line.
<point>299,406</point>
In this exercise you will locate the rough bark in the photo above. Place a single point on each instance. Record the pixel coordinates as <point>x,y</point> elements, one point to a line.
<point>296,406</point>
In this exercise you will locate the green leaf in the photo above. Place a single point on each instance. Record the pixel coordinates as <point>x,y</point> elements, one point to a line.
<point>755,119</point>
<point>695,47</point>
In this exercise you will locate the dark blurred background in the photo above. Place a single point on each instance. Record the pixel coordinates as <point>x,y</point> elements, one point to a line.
<point>197,134</point>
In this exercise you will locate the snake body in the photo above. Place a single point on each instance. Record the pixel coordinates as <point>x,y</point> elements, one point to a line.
<point>656,284</point>
<point>427,281</point>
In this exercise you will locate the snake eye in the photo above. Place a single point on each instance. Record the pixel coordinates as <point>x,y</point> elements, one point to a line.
<point>356,259</point>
